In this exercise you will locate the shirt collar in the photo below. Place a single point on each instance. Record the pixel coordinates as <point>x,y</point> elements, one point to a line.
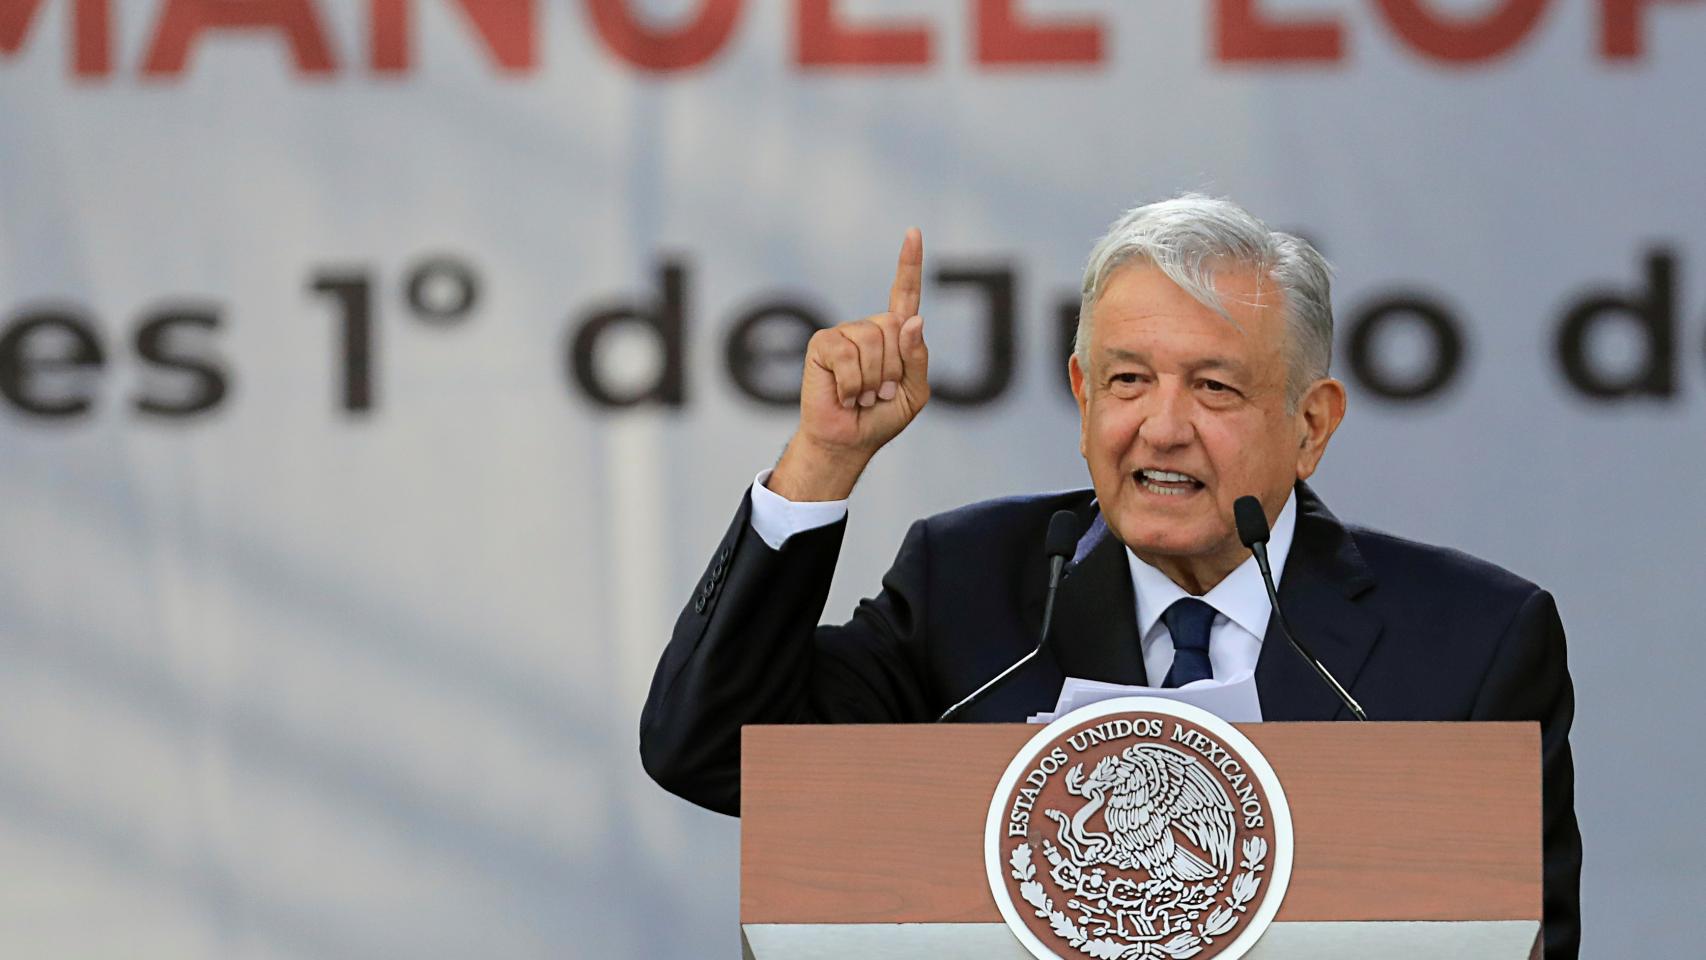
<point>1241,597</point>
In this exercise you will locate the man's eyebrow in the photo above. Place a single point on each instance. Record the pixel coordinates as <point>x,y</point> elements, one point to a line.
<point>1220,363</point>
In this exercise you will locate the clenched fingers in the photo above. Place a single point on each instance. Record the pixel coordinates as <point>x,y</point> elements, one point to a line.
<point>867,337</point>
<point>867,358</point>
<point>840,357</point>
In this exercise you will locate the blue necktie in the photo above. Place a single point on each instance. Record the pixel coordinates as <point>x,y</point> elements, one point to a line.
<point>1188,621</point>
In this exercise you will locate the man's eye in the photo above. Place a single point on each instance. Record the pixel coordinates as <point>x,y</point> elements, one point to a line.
<point>1215,386</point>
<point>1125,378</point>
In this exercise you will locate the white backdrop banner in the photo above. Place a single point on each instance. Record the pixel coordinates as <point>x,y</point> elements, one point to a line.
<point>375,378</point>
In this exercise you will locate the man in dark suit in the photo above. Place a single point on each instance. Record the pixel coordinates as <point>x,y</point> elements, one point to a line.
<point>1200,371</point>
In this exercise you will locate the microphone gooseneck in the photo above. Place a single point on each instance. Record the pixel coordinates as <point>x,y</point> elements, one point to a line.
<point>1058,545</point>
<point>1252,526</point>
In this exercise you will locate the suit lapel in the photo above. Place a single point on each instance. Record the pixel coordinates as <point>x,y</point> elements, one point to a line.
<point>1324,574</point>
<point>1094,635</point>
<point>1095,618</point>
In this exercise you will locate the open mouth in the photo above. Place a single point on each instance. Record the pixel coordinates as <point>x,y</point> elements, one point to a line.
<point>1167,483</point>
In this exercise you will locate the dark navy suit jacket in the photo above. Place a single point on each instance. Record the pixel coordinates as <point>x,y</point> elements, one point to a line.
<point>1415,632</point>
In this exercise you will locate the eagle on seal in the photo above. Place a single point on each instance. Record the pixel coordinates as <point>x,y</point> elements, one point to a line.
<point>1151,797</point>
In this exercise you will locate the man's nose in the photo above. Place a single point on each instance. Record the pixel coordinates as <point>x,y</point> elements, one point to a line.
<point>1167,423</point>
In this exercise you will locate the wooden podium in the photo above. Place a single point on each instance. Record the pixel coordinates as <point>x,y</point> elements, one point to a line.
<point>1414,840</point>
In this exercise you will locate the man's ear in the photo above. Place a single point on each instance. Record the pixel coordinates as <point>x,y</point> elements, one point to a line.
<point>1319,413</point>
<point>1080,393</point>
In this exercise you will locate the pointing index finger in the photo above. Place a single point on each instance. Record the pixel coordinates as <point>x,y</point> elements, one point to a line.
<point>908,275</point>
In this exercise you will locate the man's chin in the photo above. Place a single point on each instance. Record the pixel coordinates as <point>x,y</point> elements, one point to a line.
<point>1148,536</point>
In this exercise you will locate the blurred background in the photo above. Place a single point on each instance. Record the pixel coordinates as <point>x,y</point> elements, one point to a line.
<point>377,376</point>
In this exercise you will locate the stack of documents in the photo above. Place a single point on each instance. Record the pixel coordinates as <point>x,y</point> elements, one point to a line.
<point>1233,700</point>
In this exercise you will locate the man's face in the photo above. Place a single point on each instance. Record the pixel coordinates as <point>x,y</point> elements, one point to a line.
<point>1182,413</point>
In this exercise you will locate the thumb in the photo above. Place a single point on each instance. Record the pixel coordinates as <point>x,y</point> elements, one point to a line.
<point>916,358</point>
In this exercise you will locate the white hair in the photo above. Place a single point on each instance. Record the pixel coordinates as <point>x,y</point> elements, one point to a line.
<point>1187,238</point>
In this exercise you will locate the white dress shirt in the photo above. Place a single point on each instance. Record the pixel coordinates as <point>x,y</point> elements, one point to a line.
<point>776,518</point>
<point>1240,601</point>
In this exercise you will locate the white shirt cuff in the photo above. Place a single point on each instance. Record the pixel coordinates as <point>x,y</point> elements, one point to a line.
<point>775,518</point>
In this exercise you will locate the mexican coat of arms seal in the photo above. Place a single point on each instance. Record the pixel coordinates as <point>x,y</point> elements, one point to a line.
<point>1138,828</point>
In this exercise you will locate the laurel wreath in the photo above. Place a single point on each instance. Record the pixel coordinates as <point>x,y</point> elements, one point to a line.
<point>1186,944</point>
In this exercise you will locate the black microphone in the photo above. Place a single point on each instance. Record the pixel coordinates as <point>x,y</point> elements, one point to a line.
<point>1253,530</point>
<point>1062,539</point>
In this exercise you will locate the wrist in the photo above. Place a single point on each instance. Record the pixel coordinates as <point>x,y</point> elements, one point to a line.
<point>809,473</point>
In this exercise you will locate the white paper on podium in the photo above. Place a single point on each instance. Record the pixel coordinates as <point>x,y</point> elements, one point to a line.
<point>1234,701</point>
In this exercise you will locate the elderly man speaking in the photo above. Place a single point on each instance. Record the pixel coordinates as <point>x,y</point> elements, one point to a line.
<point>1201,375</point>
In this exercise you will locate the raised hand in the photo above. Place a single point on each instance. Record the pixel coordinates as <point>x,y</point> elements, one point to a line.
<point>864,381</point>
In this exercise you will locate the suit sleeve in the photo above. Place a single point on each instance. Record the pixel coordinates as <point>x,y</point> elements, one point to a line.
<point>747,648</point>
<point>1530,680</point>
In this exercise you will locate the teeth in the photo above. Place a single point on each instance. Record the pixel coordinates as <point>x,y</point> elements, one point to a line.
<point>1152,481</point>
